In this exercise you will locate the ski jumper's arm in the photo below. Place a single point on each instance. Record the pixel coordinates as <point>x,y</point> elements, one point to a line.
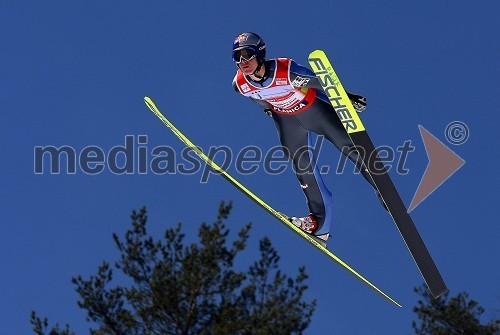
<point>303,77</point>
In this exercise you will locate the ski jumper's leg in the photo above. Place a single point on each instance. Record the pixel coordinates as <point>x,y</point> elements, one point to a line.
<point>295,140</point>
<point>322,119</point>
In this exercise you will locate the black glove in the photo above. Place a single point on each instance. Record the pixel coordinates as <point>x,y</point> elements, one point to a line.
<point>358,102</point>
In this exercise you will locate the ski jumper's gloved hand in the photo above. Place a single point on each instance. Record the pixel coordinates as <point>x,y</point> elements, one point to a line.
<point>268,112</point>
<point>265,105</point>
<point>358,102</point>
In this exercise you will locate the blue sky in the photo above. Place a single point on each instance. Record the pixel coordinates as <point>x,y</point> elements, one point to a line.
<point>76,74</point>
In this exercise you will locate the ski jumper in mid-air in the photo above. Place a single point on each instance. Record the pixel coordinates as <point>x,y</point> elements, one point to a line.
<point>293,96</point>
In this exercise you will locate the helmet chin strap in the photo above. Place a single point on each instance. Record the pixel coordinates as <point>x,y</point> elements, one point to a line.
<point>257,69</point>
<point>259,66</point>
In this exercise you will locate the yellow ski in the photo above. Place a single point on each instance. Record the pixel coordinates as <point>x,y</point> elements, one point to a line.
<point>280,216</point>
<point>355,129</point>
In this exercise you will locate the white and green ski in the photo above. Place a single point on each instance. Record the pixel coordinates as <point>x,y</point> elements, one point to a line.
<point>280,216</point>
<point>352,123</point>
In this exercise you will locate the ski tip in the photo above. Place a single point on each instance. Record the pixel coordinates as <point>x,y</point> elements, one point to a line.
<point>149,102</point>
<point>317,53</point>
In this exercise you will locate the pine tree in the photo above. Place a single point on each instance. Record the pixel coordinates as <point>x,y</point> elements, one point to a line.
<point>187,289</point>
<point>457,315</point>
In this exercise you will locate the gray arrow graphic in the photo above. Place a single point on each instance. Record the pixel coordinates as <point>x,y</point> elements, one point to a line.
<point>442,164</point>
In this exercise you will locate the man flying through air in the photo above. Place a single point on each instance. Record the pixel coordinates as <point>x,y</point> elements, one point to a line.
<point>292,95</point>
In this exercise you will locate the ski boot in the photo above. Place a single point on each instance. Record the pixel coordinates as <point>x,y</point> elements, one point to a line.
<point>358,102</point>
<point>310,225</point>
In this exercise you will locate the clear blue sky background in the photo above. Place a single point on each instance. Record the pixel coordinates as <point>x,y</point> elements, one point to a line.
<point>76,74</point>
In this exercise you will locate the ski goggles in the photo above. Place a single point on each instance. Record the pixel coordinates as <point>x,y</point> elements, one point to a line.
<point>245,53</point>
